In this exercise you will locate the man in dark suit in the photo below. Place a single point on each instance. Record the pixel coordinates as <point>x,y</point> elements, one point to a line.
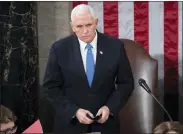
<point>87,74</point>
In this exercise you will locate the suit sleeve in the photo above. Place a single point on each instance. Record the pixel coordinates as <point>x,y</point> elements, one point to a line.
<point>124,84</point>
<point>53,93</point>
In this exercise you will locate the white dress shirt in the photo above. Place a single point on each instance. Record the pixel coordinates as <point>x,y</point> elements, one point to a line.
<point>84,51</point>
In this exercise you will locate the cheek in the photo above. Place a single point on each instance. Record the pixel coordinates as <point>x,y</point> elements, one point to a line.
<point>78,34</point>
<point>75,31</point>
<point>93,28</point>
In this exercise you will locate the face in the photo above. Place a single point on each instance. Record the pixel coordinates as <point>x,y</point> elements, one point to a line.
<point>8,127</point>
<point>84,27</point>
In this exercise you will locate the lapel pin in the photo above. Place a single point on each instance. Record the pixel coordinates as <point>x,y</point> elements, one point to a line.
<point>101,52</point>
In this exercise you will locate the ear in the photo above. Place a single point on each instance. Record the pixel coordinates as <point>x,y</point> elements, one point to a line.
<point>96,21</point>
<point>72,26</point>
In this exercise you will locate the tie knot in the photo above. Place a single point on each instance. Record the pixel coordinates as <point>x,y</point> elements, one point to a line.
<point>88,46</point>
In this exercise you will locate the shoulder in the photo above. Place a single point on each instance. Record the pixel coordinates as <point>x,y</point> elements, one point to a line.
<point>111,40</point>
<point>63,43</point>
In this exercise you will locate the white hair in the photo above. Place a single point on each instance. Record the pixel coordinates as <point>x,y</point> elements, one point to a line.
<point>82,9</point>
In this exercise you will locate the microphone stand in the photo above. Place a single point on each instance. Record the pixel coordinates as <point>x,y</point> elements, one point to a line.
<point>162,107</point>
<point>143,84</point>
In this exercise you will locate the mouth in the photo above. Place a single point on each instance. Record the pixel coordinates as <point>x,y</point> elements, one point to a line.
<point>85,37</point>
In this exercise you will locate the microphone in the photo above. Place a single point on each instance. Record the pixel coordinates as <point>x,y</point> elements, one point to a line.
<point>143,84</point>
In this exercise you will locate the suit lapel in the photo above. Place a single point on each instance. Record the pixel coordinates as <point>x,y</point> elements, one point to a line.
<point>77,63</point>
<point>99,61</point>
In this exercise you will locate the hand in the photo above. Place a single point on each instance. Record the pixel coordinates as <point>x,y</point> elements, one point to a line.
<point>81,116</point>
<point>104,111</point>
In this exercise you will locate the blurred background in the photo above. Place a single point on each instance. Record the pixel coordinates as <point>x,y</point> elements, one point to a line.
<point>28,29</point>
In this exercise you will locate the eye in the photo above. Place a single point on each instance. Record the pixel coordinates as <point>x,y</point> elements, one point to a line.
<point>79,26</point>
<point>88,25</point>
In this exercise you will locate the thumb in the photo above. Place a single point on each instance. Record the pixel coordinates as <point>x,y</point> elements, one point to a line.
<point>99,112</point>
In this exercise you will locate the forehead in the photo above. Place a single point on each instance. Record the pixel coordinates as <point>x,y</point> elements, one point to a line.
<point>83,19</point>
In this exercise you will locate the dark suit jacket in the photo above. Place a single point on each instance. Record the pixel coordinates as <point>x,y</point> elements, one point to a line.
<point>68,88</point>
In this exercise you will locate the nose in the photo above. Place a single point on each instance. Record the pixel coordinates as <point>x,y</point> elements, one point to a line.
<point>85,30</point>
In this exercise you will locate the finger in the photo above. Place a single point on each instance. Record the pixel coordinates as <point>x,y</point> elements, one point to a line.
<point>99,112</point>
<point>86,121</point>
<point>90,114</point>
<point>103,118</point>
<point>83,122</point>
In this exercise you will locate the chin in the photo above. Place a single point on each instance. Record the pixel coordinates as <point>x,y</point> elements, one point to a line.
<point>87,40</point>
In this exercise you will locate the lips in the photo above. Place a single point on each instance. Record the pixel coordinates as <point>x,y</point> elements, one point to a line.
<point>85,36</point>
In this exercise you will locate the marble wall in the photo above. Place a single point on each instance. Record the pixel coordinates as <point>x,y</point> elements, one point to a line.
<point>53,24</point>
<point>19,60</point>
<point>22,65</point>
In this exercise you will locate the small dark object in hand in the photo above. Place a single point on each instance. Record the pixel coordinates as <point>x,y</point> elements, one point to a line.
<point>96,118</point>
